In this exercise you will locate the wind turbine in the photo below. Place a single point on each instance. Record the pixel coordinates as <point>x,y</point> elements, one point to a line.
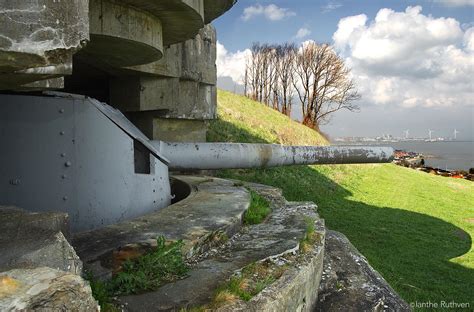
<point>455,133</point>
<point>406,133</point>
<point>430,132</point>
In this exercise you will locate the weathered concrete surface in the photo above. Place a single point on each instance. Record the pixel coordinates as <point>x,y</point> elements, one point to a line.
<point>199,57</point>
<point>214,205</point>
<point>181,19</point>
<point>44,289</point>
<point>180,130</point>
<point>213,9</point>
<point>38,39</point>
<point>181,85</point>
<point>279,235</point>
<point>31,240</point>
<point>349,283</point>
<point>121,35</point>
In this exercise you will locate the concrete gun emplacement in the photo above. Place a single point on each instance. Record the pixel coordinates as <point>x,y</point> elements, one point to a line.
<point>83,157</point>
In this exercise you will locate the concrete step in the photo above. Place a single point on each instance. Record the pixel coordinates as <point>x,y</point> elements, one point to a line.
<point>274,244</point>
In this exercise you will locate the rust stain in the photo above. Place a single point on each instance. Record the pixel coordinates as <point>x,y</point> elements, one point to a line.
<point>128,252</point>
<point>265,153</point>
<point>8,286</point>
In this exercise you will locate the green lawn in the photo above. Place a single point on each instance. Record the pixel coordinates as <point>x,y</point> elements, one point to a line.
<point>415,229</point>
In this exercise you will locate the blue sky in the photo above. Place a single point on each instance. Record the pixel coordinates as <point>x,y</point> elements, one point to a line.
<point>400,57</point>
<point>315,15</point>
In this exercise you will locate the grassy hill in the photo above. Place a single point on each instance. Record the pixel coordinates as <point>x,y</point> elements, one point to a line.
<point>243,120</point>
<point>416,229</point>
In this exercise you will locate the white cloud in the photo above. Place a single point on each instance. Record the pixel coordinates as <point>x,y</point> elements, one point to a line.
<point>331,6</point>
<point>409,59</point>
<point>270,12</point>
<point>456,3</point>
<point>231,64</point>
<point>302,33</point>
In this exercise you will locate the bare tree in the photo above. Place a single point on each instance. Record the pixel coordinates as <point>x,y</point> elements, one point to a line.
<point>324,85</point>
<point>319,76</point>
<point>286,55</point>
<point>253,72</point>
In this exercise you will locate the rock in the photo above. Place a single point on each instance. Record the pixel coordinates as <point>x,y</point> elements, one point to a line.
<point>44,289</point>
<point>31,240</point>
<point>349,283</point>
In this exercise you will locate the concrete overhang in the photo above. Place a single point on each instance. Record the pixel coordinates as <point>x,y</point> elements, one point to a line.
<point>213,9</point>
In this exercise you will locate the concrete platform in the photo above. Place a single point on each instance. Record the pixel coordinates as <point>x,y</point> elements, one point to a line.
<point>214,205</point>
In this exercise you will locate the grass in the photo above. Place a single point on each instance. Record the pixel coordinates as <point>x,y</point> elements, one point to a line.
<point>310,236</point>
<point>414,228</point>
<point>241,120</point>
<point>148,272</point>
<point>258,210</point>
<point>254,278</point>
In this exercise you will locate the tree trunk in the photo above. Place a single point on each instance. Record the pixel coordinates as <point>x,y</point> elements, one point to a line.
<point>309,122</point>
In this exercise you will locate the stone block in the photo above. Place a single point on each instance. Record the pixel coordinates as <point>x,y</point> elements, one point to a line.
<point>31,240</point>
<point>44,289</point>
<point>349,283</point>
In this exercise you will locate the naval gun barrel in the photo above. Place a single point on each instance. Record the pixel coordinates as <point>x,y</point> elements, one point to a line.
<point>205,156</point>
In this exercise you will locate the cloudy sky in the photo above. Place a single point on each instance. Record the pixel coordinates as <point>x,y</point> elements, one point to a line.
<point>413,61</point>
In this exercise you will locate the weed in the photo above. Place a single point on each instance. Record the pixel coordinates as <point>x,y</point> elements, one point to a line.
<point>310,237</point>
<point>148,272</point>
<point>259,209</point>
<point>101,293</point>
<point>238,183</point>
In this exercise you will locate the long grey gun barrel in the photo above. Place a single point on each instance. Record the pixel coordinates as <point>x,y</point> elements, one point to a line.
<point>189,156</point>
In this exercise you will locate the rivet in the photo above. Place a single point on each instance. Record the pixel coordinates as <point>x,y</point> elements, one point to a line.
<point>65,198</point>
<point>154,191</point>
<point>61,110</point>
<point>64,176</point>
<point>63,154</point>
<point>62,133</point>
<point>68,164</point>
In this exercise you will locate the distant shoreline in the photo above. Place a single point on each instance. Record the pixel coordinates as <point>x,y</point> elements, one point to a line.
<point>416,161</point>
<point>446,155</point>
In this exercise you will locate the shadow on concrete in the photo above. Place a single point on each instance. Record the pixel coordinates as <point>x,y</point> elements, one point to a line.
<point>411,250</point>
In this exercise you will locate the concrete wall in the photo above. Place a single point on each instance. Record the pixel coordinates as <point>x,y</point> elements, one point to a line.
<point>176,94</point>
<point>155,59</point>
